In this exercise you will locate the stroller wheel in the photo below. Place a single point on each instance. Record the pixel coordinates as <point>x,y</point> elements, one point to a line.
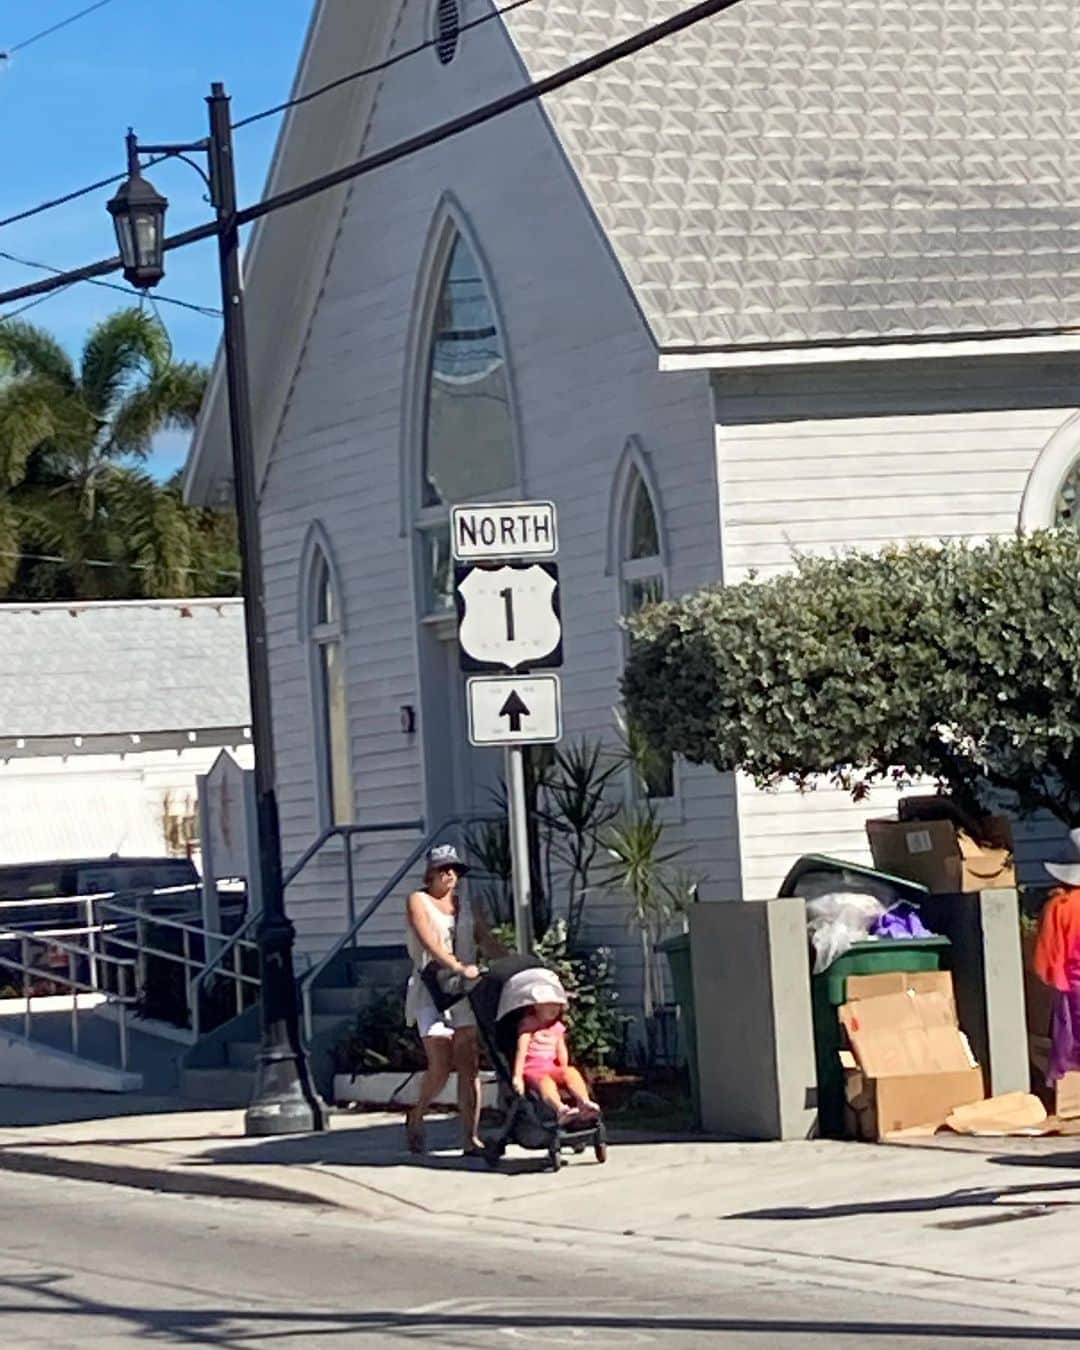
<point>600,1144</point>
<point>493,1151</point>
<point>579,1148</point>
<point>556,1158</point>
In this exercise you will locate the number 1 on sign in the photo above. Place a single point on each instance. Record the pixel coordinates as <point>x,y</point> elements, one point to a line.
<point>508,601</point>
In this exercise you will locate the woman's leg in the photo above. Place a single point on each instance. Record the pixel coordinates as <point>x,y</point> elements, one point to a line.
<point>578,1088</point>
<point>466,1058</point>
<point>438,1052</point>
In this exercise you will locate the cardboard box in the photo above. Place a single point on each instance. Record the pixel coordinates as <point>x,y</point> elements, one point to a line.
<point>909,1064</point>
<point>861,987</point>
<point>942,857</point>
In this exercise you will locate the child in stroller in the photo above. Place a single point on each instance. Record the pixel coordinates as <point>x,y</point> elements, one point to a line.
<point>518,999</point>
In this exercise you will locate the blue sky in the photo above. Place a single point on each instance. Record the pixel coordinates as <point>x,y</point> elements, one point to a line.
<point>67,102</point>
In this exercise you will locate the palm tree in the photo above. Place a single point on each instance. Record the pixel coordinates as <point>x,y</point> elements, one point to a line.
<point>72,440</point>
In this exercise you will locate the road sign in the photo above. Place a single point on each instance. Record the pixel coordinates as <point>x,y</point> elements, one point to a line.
<point>521,710</point>
<point>508,617</point>
<point>504,530</point>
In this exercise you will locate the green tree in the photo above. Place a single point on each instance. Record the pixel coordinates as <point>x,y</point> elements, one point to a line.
<point>73,439</point>
<point>959,664</point>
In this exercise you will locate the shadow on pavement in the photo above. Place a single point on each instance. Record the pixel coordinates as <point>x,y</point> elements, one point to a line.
<point>42,1295</point>
<point>48,1106</point>
<point>975,1198</point>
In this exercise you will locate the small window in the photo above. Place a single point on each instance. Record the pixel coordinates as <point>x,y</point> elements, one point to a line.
<point>333,744</point>
<point>447,30</point>
<point>1066,511</point>
<point>641,572</point>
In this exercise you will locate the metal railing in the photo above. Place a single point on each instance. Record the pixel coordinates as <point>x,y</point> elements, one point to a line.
<point>122,996</point>
<point>232,950</point>
<point>348,938</point>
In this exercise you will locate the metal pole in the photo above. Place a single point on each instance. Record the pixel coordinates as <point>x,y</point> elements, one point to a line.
<point>73,980</point>
<point>519,848</point>
<point>283,1101</point>
<point>92,942</point>
<point>24,951</point>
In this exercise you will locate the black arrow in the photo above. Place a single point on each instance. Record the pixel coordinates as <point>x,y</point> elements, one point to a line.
<point>515,709</point>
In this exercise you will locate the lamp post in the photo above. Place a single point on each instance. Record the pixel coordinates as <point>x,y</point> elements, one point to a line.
<point>283,1101</point>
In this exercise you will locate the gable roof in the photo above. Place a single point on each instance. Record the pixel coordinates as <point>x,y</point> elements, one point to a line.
<point>788,172</point>
<point>122,668</point>
<point>796,171</point>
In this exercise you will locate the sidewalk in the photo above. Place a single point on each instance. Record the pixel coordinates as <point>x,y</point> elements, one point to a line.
<point>995,1223</point>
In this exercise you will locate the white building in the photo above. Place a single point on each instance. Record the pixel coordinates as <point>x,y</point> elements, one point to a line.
<point>806,276</point>
<point>108,711</point>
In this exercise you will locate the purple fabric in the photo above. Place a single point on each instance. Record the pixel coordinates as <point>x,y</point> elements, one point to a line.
<point>1065,1026</point>
<point>902,921</point>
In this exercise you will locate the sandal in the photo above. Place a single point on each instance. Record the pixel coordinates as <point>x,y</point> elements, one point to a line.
<point>414,1131</point>
<point>474,1149</point>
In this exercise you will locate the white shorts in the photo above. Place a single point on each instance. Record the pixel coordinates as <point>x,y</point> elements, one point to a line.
<point>441,1025</point>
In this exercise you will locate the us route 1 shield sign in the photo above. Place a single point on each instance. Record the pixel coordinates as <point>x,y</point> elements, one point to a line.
<point>508,616</point>
<point>515,710</point>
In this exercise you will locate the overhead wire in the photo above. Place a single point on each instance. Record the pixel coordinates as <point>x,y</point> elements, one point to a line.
<point>23,309</point>
<point>207,310</point>
<point>300,99</point>
<point>53,28</point>
<point>528,93</point>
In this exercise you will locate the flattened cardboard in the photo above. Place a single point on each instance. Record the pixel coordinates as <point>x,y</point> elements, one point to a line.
<point>860,987</point>
<point>1013,1113</point>
<point>1064,1096</point>
<point>942,857</point>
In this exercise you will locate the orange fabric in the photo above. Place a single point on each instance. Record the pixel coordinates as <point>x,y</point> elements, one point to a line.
<point>1059,937</point>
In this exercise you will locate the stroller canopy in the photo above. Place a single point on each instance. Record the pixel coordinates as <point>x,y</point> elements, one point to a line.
<point>527,988</point>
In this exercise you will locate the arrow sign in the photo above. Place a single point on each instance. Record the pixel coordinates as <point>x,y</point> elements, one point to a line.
<point>526,710</point>
<point>515,710</point>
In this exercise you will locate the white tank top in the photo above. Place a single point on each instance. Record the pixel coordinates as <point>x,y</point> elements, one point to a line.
<point>457,935</point>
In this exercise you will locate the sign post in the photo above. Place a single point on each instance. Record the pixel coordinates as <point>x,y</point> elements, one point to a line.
<point>510,626</point>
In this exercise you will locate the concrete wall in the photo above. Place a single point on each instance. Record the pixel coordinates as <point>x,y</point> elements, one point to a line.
<point>755,1039</point>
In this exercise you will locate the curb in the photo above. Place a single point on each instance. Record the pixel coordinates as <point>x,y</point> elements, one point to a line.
<point>157,1179</point>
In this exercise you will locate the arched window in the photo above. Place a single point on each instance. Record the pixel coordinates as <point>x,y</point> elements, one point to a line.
<point>330,711</point>
<point>467,435</point>
<point>1067,505</point>
<point>641,580</point>
<point>1052,495</point>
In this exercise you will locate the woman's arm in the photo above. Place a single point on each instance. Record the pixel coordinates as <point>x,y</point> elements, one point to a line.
<point>425,930</point>
<point>523,1040</point>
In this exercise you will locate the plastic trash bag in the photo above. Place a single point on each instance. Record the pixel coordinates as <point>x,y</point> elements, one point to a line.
<point>837,920</point>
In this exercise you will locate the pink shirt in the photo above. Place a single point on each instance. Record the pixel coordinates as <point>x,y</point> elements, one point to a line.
<point>542,1054</point>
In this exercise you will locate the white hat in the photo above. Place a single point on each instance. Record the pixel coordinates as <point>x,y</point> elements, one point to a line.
<point>1068,869</point>
<point>528,988</point>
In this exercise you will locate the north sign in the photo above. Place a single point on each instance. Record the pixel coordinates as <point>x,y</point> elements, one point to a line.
<point>504,530</point>
<point>515,710</point>
<point>508,617</point>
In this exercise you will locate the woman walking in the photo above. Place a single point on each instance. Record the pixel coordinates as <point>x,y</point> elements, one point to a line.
<point>442,928</point>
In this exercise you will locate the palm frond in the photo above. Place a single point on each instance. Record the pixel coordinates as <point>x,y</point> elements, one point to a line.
<point>28,418</point>
<point>26,349</point>
<point>169,401</point>
<point>9,543</point>
<point>156,530</point>
<point>118,349</point>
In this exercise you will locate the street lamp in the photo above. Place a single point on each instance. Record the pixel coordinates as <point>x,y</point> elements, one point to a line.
<point>283,1101</point>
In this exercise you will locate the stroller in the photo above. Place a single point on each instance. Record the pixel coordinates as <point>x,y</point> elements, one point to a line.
<point>527,1120</point>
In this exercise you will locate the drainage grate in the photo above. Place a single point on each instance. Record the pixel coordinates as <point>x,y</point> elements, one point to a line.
<point>448,30</point>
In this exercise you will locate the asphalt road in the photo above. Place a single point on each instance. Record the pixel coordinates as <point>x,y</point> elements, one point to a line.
<point>83,1264</point>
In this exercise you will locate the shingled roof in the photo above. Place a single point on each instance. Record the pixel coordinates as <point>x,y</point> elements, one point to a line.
<point>122,668</point>
<point>796,171</point>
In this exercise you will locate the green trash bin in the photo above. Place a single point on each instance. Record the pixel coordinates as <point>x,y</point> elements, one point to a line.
<point>829,990</point>
<point>677,951</point>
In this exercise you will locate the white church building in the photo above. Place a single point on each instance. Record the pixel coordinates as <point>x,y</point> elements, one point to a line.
<point>805,277</point>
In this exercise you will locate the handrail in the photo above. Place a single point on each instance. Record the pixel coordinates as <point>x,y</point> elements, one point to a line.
<point>70,981</point>
<point>346,833</point>
<point>230,948</point>
<point>307,980</point>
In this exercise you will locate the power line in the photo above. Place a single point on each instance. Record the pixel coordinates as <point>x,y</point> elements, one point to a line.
<point>107,562</point>
<point>528,93</point>
<point>207,310</point>
<point>55,28</point>
<point>375,69</point>
<point>14,314</point>
<point>260,116</point>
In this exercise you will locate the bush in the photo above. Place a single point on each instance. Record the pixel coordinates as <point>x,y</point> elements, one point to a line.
<point>379,1040</point>
<point>959,664</point>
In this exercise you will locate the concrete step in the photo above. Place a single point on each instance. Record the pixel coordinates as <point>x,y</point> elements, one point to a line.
<point>241,1054</point>
<point>218,1087</point>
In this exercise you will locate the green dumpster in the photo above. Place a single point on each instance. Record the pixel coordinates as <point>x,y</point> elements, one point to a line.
<point>677,951</point>
<point>829,990</point>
